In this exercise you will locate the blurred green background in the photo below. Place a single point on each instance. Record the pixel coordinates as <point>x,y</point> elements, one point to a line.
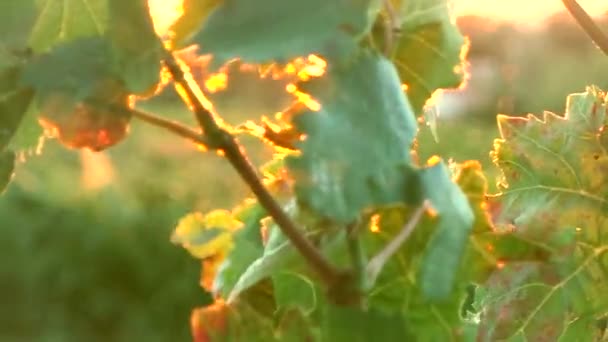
<point>85,237</point>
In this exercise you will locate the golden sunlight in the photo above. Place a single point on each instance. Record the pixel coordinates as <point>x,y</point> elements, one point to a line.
<point>164,13</point>
<point>524,12</point>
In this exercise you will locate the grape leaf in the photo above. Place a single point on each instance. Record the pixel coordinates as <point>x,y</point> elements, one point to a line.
<point>270,30</point>
<point>208,235</point>
<point>356,142</point>
<point>65,20</point>
<point>552,193</point>
<point>136,48</point>
<point>428,54</point>
<point>537,301</point>
<point>7,165</point>
<point>444,251</point>
<point>553,171</point>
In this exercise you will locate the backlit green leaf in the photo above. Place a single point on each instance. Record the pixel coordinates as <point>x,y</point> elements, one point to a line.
<point>267,30</point>
<point>455,219</point>
<point>65,20</point>
<point>554,170</point>
<point>76,68</point>
<point>130,51</point>
<point>428,54</point>
<point>137,50</point>
<point>553,192</point>
<point>356,143</point>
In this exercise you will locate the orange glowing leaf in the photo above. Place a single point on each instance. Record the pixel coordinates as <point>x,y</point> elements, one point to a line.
<point>307,100</point>
<point>211,322</point>
<point>83,125</point>
<point>210,270</point>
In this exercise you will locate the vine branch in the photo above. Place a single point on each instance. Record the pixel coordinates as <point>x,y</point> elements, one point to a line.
<point>586,23</point>
<point>219,138</point>
<point>376,264</point>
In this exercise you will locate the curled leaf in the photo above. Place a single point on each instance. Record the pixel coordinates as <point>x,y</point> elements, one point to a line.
<point>84,125</point>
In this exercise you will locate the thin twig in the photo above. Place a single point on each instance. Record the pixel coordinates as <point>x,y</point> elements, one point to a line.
<point>155,120</point>
<point>219,138</point>
<point>379,260</point>
<point>172,126</point>
<point>586,23</point>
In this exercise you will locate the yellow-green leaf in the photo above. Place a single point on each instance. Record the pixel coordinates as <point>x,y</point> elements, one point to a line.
<point>206,235</point>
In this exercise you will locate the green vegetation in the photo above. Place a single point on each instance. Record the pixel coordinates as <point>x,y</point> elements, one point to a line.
<point>335,216</point>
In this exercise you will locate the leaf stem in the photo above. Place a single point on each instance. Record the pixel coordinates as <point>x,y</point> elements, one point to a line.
<point>392,27</point>
<point>219,138</point>
<point>355,250</point>
<point>376,264</point>
<point>587,24</point>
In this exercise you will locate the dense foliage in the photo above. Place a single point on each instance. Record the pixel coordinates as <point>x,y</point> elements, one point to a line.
<point>348,235</point>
